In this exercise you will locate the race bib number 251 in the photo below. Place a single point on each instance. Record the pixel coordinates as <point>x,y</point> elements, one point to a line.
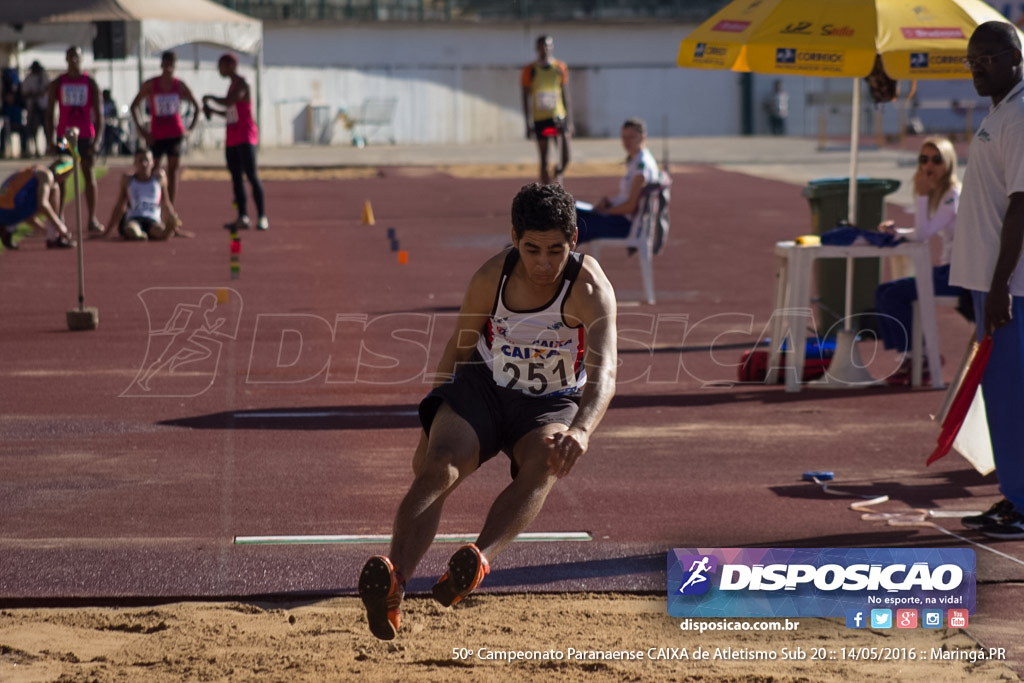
<point>534,370</point>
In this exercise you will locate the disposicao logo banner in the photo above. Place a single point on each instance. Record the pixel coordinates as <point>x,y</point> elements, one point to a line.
<point>817,582</point>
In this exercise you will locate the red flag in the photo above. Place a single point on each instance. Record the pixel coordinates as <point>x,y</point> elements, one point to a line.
<point>963,399</point>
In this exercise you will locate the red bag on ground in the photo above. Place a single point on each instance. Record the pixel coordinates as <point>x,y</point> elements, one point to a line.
<point>817,357</point>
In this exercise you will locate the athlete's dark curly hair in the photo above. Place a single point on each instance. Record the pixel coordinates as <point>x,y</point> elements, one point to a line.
<point>544,207</point>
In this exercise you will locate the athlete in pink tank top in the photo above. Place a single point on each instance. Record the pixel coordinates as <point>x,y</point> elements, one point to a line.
<point>166,130</point>
<point>241,128</point>
<point>78,97</point>
<point>241,139</point>
<point>75,105</point>
<point>165,110</point>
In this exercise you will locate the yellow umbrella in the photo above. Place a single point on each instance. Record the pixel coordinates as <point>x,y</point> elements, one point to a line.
<point>836,38</point>
<point>916,38</point>
<point>840,38</point>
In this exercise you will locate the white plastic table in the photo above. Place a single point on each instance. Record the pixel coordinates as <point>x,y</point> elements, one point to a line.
<point>793,314</point>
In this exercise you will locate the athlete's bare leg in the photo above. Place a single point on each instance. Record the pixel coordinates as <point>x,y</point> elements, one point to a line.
<point>173,163</point>
<point>90,192</point>
<point>441,462</point>
<point>563,138</point>
<point>517,506</point>
<point>542,149</point>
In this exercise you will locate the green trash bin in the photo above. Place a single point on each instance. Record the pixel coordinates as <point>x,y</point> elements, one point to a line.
<point>830,206</point>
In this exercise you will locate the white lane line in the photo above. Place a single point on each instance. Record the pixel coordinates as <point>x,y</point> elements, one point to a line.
<point>327,413</point>
<point>527,537</point>
<point>989,548</point>
<point>918,517</point>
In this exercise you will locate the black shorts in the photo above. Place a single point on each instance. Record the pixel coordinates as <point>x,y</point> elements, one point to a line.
<point>146,224</point>
<point>499,416</point>
<point>542,129</point>
<point>167,147</point>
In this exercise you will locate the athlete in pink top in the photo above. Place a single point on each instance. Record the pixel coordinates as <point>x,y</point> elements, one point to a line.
<point>78,97</point>
<point>242,135</point>
<point>166,129</point>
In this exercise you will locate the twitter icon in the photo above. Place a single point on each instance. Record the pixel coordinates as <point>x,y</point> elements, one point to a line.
<point>881,618</point>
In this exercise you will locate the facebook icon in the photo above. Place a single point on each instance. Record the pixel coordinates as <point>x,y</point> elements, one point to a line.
<point>855,618</point>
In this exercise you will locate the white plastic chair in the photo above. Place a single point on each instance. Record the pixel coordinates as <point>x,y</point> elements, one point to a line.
<point>647,233</point>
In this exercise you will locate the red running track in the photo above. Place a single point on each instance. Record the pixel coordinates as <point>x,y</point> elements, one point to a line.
<point>296,415</point>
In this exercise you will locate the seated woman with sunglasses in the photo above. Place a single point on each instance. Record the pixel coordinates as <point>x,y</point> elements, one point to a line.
<point>937,191</point>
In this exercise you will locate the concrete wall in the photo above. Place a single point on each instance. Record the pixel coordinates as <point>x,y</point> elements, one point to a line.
<point>453,83</point>
<point>459,83</point>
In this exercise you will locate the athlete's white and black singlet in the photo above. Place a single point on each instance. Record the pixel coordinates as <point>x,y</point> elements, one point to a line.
<point>144,198</point>
<point>535,352</point>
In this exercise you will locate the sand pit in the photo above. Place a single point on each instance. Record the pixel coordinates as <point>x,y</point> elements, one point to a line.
<point>552,637</point>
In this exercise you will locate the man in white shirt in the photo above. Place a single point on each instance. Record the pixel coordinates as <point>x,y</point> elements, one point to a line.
<point>986,259</point>
<point>613,216</point>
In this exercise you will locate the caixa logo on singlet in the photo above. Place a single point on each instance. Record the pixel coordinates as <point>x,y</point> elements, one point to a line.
<point>816,582</point>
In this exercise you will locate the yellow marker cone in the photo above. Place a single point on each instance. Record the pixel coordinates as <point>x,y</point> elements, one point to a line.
<point>368,214</point>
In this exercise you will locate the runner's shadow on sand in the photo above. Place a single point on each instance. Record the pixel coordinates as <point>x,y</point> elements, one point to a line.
<point>612,567</point>
<point>310,418</point>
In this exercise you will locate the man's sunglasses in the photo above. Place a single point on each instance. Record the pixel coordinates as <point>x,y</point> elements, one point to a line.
<point>984,61</point>
<point>924,158</point>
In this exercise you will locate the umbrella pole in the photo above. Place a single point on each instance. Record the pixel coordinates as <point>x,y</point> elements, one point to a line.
<point>854,147</point>
<point>847,369</point>
<point>851,215</point>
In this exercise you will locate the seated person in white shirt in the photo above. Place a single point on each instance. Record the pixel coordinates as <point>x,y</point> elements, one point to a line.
<point>138,212</point>
<point>612,217</point>
<point>937,191</point>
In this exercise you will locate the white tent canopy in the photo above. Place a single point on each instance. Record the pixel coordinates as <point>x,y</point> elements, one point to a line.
<point>152,26</point>
<point>161,24</point>
<point>168,24</point>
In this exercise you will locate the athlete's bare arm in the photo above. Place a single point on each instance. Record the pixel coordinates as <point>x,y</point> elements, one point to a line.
<point>472,320</point>
<point>592,303</point>
<point>136,107</point>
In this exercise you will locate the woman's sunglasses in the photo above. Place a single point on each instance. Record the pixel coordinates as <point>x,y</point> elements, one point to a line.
<point>935,159</point>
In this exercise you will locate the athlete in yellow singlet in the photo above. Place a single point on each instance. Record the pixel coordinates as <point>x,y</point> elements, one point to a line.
<point>546,106</point>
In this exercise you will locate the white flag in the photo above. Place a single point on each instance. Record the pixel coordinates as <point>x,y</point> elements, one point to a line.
<point>972,441</point>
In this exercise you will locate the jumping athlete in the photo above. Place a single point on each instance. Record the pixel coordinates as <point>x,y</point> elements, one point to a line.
<point>529,370</point>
